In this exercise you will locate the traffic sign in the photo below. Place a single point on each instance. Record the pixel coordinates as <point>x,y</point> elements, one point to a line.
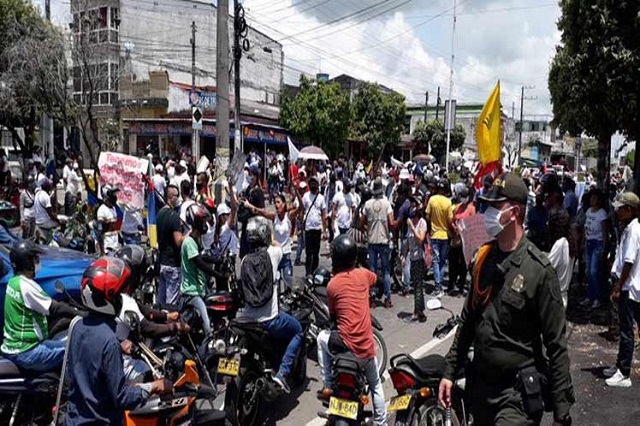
<point>196,118</point>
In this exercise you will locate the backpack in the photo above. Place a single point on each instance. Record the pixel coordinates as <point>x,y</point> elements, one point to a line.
<point>256,276</point>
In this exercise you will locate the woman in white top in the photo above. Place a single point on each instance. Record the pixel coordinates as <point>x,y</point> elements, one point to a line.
<point>563,251</point>
<point>596,230</point>
<point>283,220</point>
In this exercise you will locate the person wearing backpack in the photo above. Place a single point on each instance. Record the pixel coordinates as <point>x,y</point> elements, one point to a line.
<point>259,293</point>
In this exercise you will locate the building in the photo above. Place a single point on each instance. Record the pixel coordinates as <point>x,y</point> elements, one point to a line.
<point>139,56</point>
<point>538,141</point>
<point>350,84</point>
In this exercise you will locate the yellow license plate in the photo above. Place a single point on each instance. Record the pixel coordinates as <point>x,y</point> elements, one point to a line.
<point>399,403</point>
<point>343,408</point>
<point>230,367</point>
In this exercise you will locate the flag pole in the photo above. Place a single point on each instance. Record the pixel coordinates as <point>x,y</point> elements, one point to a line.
<point>453,33</point>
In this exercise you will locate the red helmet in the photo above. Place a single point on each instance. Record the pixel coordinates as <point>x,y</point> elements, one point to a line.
<point>102,284</point>
<point>197,217</point>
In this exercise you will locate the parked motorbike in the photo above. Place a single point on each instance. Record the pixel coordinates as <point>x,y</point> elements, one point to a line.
<point>349,392</point>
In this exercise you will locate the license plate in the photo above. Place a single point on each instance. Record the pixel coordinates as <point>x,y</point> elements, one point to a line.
<point>398,403</point>
<point>343,408</point>
<point>229,367</point>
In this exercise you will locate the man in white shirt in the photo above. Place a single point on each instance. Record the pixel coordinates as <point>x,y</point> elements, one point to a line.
<point>159,181</point>
<point>73,181</point>
<point>314,214</point>
<point>46,219</point>
<point>626,291</point>
<point>108,220</point>
<point>343,207</point>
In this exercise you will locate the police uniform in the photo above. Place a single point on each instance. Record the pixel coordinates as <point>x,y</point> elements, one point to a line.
<point>514,309</point>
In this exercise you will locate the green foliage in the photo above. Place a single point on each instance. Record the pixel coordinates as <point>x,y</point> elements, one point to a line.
<point>631,158</point>
<point>433,133</point>
<point>594,78</point>
<point>378,116</point>
<point>320,114</point>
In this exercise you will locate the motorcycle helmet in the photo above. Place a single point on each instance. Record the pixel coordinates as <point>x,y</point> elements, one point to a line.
<point>321,277</point>
<point>102,283</point>
<point>109,193</point>
<point>23,255</point>
<point>258,232</point>
<point>344,253</point>
<point>197,217</point>
<point>136,260</point>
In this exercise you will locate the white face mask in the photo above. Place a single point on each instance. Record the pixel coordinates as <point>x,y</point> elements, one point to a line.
<point>492,218</point>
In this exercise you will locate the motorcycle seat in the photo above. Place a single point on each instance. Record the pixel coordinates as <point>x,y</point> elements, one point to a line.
<point>251,328</point>
<point>429,367</point>
<point>348,361</point>
<point>8,369</point>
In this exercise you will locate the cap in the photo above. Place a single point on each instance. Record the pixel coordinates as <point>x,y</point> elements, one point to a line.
<point>505,187</point>
<point>302,185</point>
<point>159,167</point>
<point>404,174</point>
<point>627,199</point>
<point>183,163</point>
<point>377,187</point>
<point>223,209</point>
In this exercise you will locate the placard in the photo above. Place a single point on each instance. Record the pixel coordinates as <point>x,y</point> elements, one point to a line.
<point>124,171</point>
<point>473,235</point>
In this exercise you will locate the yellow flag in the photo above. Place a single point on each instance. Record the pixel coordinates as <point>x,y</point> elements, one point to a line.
<point>488,129</point>
<point>368,169</point>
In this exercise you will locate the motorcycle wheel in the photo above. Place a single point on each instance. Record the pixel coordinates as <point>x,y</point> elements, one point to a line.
<point>431,414</point>
<point>381,352</point>
<point>239,392</point>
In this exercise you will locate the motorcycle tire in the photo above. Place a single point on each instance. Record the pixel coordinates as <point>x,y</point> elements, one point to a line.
<point>382,356</point>
<point>345,422</point>
<point>432,414</point>
<point>236,405</point>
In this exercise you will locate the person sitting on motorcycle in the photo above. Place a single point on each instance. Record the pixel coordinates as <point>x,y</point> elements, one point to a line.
<point>348,300</point>
<point>280,325</point>
<point>26,307</point>
<point>195,265</point>
<point>153,323</point>
<point>98,393</point>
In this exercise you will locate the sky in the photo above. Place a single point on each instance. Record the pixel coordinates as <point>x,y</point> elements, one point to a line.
<point>407,44</point>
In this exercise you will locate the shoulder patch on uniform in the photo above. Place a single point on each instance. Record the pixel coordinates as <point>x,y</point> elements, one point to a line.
<point>539,256</point>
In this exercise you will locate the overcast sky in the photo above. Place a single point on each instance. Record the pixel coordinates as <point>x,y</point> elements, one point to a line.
<point>406,44</point>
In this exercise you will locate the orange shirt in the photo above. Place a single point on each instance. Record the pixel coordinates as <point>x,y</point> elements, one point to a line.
<point>348,297</point>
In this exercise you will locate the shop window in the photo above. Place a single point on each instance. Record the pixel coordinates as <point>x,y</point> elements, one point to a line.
<point>115,18</point>
<point>102,17</point>
<point>104,98</point>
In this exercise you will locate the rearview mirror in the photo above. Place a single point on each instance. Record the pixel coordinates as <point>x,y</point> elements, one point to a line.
<point>131,318</point>
<point>59,287</point>
<point>434,304</point>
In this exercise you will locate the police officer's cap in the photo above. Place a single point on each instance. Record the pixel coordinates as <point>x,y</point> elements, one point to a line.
<point>507,187</point>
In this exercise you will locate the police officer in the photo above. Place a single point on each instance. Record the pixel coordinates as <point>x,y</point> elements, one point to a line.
<point>514,309</point>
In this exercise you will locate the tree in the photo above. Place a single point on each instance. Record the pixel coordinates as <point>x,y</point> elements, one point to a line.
<point>433,135</point>
<point>378,117</point>
<point>594,78</point>
<point>320,114</point>
<point>630,158</point>
<point>33,73</point>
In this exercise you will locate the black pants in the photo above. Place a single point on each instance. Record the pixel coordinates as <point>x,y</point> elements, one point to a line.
<point>457,269</point>
<point>312,239</point>
<point>628,312</point>
<point>499,406</point>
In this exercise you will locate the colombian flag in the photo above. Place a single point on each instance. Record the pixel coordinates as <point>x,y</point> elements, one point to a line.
<point>151,215</point>
<point>488,136</point>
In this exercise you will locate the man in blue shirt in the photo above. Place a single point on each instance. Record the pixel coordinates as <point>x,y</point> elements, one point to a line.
<point>98,393</point>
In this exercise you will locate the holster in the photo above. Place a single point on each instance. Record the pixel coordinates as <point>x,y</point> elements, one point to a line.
<point>532,386</point>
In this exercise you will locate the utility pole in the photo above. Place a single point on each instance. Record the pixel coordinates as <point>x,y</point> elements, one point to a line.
<point>438,104</point>
<point>195,139</point>
<point>222,80</point>
<point>522,98</point>
<point>513,110</point>
<point>47,10</point>
<point>426,105</point>
<point>450,112</point>
<point>237,55</point>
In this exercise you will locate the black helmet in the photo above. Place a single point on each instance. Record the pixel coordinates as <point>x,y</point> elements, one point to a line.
<point>321,277</point>
<point>23,255</point>
<point>344,253</point>
<point>136,259</point>
<point>197,217</point>
<point>258,232</point>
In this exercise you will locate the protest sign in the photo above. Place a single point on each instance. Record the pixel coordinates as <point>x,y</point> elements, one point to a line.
<point>473,235</point>
<point>124,171</point>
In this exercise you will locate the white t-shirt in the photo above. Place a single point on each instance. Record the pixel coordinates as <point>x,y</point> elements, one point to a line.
<point>159,183</point>
<point>109,215</point>
<point>563,264</point>
<point>122,328</point>
<point>73,182</point>
<point>40,205</point>
<point>183,210</point>
<point>282,231</point>
<point>313,211</point>
<point>628,252</point>
<point>65,172</point>
<point>270,309</point>
<point>344,208</point>
<point>593,224</point>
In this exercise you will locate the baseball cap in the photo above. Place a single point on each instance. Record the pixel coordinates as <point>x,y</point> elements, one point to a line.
<point>377,187</point>
<point>507,186</point>
<point>627,199</point>
<point>159,167</point>
<point>302,185</point>
<point>404,174</point>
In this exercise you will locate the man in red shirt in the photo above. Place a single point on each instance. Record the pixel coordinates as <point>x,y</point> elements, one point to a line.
<point>348,297</point>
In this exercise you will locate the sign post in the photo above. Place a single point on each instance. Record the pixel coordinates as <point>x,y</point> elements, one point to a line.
<point>196,123</point>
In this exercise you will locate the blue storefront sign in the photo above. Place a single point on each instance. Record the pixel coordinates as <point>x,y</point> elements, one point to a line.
<point>205,100</point>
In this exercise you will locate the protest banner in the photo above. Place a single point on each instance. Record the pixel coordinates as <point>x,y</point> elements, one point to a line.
<point>473,235</point>
<point>124,171</point>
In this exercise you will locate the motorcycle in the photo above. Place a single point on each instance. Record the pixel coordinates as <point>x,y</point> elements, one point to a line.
<point>417,382</point>
<point>349,394</point>
<point>251,359</point>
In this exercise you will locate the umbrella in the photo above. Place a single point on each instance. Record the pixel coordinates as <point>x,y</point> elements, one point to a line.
<point>424,158</point>
<point>313,153</point>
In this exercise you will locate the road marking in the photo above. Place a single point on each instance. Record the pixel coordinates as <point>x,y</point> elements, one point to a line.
<point>422,350</point>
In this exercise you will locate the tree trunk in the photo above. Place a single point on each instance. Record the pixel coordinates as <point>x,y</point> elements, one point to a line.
<point>604,160</point>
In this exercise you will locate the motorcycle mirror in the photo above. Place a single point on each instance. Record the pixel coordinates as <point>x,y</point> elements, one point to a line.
<point>434,304</point>
<point>131,318</point>
<point>59,287</point>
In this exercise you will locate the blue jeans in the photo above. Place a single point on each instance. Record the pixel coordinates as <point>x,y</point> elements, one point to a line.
<point>286,269</point>
<point>46,356</point>
<point>286,328</point>
<point>440,254</point>
<point>197,303</point>
<point>300,247</point>
<point>169,284</point>
<point>593,261</point>
<point>133,239</point>
<point>384,252</point>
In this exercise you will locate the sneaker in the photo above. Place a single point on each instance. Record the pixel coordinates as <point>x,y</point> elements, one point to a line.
<point>609,371</point>
<point>282,382</point>
<point>618,380</point>
<point>438,293</point>
<point>596,304</point>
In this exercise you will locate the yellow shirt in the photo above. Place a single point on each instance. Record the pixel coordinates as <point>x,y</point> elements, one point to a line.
<point>440,214</point>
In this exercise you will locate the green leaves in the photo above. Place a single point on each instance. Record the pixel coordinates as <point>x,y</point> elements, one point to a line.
<point>433,134</point>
